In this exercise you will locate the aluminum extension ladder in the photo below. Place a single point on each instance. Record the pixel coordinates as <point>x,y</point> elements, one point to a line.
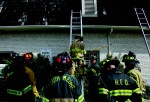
<point>75,25</point>
<point>144,24</point>
<point>76,30</point>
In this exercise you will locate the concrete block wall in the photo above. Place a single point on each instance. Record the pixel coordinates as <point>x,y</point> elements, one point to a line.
<point>34,42</point>
<point>120,44</point>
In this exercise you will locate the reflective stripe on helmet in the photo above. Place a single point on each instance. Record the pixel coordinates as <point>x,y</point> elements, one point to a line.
<point>129,58</point>
<point>104,62</point>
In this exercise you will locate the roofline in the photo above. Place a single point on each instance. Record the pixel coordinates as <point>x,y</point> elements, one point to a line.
<point>66,27</point>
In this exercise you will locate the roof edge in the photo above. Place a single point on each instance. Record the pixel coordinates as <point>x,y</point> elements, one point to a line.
<point>59,27</point>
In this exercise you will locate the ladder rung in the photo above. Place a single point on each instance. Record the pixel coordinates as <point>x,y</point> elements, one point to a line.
<point>142,18</point>
<point>144,27</point>
<point>76,12</point>
<point>76,25</point>
<point>138,8</point>
<point>75,34</point>
<point>75,17</point>
<point>76,22</point>
<point>147,34</point>
<point>144,23</point>
<point>140,13</point>
<point>75,28</point>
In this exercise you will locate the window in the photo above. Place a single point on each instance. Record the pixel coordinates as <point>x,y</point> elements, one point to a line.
<point>89,8</point>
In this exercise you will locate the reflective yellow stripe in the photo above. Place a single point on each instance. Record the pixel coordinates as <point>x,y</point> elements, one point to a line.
<point>120,92</point>
<point>19,93</point>
<point>80,98</point>
<point>103,91</point>
<point>128,100</point>
<point>77,58</point>
<point>27,89</point>
<point>143,100</point>
<point>75,100</point>
<point>93,71</point>
<point>129,58</point>
<point>14,92</point>
<point>77,50</point>
<point>137,90</point>
<point>104,62</point>
<point>43,99</point>
<point>137,77</point>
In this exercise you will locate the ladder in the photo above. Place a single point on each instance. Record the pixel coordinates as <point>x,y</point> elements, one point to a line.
<point>144,24</point>
<point>75,25</point>
<point>76,30</point>
<point>1,6</point>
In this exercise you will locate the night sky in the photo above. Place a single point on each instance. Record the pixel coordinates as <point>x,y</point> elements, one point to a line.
<point>57,12</point>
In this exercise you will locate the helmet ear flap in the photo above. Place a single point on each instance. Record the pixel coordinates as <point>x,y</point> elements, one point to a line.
<point>68,59</point>
<point>59,60</point>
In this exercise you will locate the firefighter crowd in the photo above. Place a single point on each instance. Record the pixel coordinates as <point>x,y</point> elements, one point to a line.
<point>72,80</point>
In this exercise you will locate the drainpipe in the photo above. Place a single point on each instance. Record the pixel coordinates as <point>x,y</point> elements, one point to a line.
<point>108,40</point>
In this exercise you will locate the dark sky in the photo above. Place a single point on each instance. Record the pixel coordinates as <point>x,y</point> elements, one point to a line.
<point>119,12</point>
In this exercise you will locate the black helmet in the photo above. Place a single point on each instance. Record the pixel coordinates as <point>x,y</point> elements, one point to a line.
<point>127,58</point>
<point>113,62</point>
<point>106,64</point>
<point>132,54</point>
<point>79,38</point>
<point>130,57</point>
<point>93,59</point>
<point>103,63</point>
<point>63,62</point>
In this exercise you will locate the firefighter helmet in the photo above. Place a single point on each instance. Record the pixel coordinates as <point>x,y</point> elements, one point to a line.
<point>63,62</point>
<point>104,62</point>
<point>113,62</point>
<point>132,54</point>
<point>107,63</point>
<point>28,56</point>
<point>78,38</point>
<point>93,59</point>
<point>130,58</point>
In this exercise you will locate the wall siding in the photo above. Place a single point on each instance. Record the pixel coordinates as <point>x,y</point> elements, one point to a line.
<point>120,44</point>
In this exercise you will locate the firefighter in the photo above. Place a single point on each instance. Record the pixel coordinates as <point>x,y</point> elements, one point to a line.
<point>119,86</point>
<point>63,87</point>
<point>21,83</point>
<point>94,67</point>
<point>30,63</point>
<point>77,53</point>
<point>77,48</point>
<point>134,72</point>
<point>132,57</point>
<point>92,77</point>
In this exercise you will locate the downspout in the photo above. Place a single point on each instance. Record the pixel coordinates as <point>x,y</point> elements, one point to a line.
<point>108,40</point>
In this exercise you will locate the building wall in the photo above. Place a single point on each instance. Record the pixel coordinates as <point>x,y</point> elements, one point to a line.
<point>120,44</point>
